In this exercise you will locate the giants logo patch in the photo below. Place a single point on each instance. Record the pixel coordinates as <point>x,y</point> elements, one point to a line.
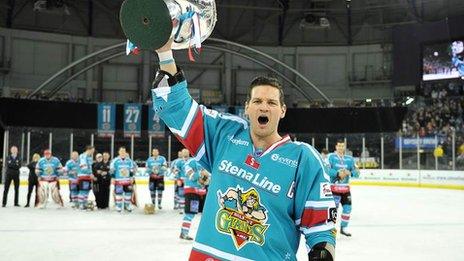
<point>242,216</point>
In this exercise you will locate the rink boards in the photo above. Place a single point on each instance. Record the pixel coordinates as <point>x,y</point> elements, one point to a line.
<point>446,179</point>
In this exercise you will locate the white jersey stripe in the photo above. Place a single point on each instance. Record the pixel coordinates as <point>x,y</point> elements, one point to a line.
<point>285,139</point>
<point>320,228</point>
<point>188,121</point>
<point>200,152</point>
<point>320,204</point>
<point>218,252</point>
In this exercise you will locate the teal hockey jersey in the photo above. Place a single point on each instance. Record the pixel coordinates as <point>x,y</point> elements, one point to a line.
<point>48,169</point>
<point>156,166</point>
<point>258,205</point>
<point>337,163</point>
<point>70,168</point>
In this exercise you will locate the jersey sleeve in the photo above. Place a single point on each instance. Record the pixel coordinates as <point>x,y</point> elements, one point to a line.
<point>134,168</point>
<point>112,167</point>
<point>354,170</point>
<point>83,162</point>
<point>148,166</point>
<point>332,171</point>
<point>188,168</point>
<point>199,129</point>
<point>66,167</point>
<point>314,204</point>
<point>38,167</point>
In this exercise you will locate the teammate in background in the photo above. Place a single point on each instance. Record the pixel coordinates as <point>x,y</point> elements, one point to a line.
<point>70,170</point>
<point>156,168</point>
<point>287,176</point>
<point>180,179</point>
<point>175,172</point>
<point>341,168</point>
<point>194,190</point>
<point>48,169</point>
<point>123,169</point>
<point>85,176</point>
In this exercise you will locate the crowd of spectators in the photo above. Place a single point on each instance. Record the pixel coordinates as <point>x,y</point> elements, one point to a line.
<point>440,112</point>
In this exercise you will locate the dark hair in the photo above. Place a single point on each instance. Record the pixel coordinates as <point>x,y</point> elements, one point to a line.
<point>340,141</point>
<point>122,147</point>
<point>265,80</point>
<point>325,151</point>
<point>89,147</point>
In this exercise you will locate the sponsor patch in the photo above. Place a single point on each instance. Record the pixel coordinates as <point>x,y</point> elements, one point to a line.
<point>325,191</point>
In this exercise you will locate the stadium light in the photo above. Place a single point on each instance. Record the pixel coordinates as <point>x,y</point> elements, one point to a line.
<point>409,100</point>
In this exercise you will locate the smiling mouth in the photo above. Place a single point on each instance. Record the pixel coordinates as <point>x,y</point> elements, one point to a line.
<point>263,120</point>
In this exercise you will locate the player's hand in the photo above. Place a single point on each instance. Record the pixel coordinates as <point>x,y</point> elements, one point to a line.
<point>342,174</point>
<point>348,173</point>
<point>166,47</point>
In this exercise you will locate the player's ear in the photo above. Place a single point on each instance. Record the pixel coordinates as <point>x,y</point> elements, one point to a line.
<point>284,110</point>
<point>246,108</point>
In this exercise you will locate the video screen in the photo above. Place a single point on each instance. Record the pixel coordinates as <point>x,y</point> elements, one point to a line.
<point>443,61</point>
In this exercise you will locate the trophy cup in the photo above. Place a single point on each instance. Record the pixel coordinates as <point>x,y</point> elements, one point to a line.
<point>149,24</point>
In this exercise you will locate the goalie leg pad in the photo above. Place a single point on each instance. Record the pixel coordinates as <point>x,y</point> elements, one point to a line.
<point>42,193</point>
<point>54,190</point>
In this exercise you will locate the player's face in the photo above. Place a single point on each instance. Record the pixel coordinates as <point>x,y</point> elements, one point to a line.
<point>185,153</point>
<point>106,156</point>
<point>74,156</point>
<point>264,110</point>
<point>14,150</point>
<point>340,147</point>
<point>91,151</point>
<point>47,154</point>
<point>155,153</point>
<point>122,153</point>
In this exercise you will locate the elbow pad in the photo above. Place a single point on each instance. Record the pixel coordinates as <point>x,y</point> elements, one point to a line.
<point>322,252</point>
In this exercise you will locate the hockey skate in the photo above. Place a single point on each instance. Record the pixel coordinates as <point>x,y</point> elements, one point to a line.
<point>185,237</point>
<point>344,232</point>
<point>128,208</point>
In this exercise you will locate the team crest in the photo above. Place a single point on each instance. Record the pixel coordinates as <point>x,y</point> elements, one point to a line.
<point>48,170</point>
<point>242,216</point>
<point>124,172</point>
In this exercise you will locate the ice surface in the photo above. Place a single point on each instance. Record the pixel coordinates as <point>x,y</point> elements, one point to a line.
<point>387,224</point>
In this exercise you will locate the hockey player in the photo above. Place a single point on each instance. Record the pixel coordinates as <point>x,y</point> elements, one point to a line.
<point>175,172</point>
<point>85,176</point>
<point>48,169</point>
<point>156,168</point>
<point>70,170</point>
<point>341,167</point>
<point>194,190</point>
<point>123,169</point>
<point>281,187</point>
<point>180,179</point>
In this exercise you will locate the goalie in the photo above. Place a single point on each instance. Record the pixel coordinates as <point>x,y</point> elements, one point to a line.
<point>48,169</point>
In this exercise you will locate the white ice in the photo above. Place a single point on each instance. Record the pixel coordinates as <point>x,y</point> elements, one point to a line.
<point>387,224</point>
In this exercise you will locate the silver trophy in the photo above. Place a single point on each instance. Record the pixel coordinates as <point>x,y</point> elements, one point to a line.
<point>149,24</point>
